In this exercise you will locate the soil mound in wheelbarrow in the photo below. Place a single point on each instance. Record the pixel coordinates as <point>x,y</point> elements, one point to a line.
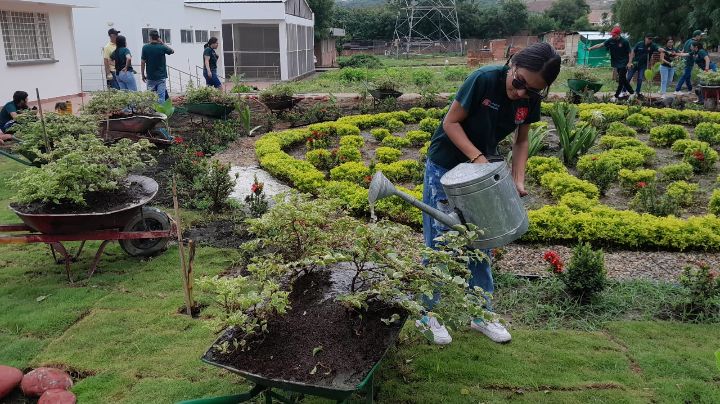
<point>96,202</point>
<point>351,345</point>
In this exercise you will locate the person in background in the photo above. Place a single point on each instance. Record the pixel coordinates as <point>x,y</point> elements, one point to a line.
<point>493,102</point>
<point>619,49</point>
<point>153,61</point>
<point>9,112</point>
<point>122,58</point>
<point>640,59</point>
<point>689,62</point>
<point>702,60</point>
<point>210,63</point>
<point>110,75</point>
<point>667,71</point>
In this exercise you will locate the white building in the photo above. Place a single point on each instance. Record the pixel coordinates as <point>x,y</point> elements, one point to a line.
<point>37,48</point>
<point>184,27</point>
<point>266,39</point>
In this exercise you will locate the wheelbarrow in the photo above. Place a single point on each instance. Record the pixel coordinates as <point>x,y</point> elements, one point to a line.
<point>136,127</point>
<point>583,88</point>
<point>141,231</point>
<point>210,109</point>
<point>23,157</point>
<point>711,94</point>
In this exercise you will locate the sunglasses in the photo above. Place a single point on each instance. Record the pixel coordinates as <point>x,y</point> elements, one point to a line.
<point>520,84</point>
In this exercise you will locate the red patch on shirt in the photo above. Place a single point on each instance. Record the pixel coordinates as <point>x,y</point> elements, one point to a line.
<point>486,102</point>
<point>521,114</point>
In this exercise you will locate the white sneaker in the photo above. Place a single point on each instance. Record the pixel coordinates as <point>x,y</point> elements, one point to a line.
<point>678,93</point>
<point>440,334</point>
<point>624,94</point>
<point>613,99</point>
<point>493,330</point>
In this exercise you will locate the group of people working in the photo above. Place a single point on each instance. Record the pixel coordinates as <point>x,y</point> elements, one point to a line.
<point>153,65</point>
<point>632,62</point>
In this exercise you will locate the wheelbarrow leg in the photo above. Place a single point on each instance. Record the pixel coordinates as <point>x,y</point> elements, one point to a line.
<point>68,259</point>
<point>96,260</point>
<point>238,398</point>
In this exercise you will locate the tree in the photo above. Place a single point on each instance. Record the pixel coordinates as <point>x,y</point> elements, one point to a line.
<point>539,23</point>
<point>705,14</point>
<point>323,10</point>
<point>581,24</point>
<point>664,18</point>
<point>513,15</point>
<point>366,23</point>
<point>566,12</point>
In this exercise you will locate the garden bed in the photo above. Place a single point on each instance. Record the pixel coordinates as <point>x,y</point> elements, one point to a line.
<point>319,341</point>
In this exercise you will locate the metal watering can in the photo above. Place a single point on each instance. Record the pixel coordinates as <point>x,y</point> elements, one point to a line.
<point>482,194</point>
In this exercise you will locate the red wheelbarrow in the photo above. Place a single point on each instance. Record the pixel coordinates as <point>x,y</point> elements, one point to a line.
<point>141,231</point>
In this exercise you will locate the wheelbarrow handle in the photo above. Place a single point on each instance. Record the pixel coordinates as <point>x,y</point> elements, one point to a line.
<point>15,157</point>
<point>238,398</point>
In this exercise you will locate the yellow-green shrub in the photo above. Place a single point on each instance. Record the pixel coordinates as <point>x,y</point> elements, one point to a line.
<point>400,171</point>
<point>394,125</point>
<point>714,205</point>
<point>537,166</point>
<point>437,113</point>
<point>559,184</point>
<point>348,153</point>
<point>630,157</point>
<point>677,171</point>
<point>666,135</point>
<point>417,137</point>
<point>708,132</point>
<point>600,169</point>
<point>620,129</point>
<point>620,142</point>
<point>639,121</point>
<point>424,151</point>
<point>353,140</point>
<point>387,154</point>
<point>418,113</point>
<point>683,192</point>
<point>701,157</point>
<point>429,124</point>
<point>683,144</point>
<point>352,171</point>
<point>611,112</point>
<point>396,142</point>
<point>629,179</point>
<point>335,129</point>
<point>380,133</point>
<point>375,120</point>
<point>322,159</point>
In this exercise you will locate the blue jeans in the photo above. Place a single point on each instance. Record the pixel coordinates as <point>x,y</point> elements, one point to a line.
<point>640,75</point>
<point>159,87</point>
<point>126,81</point>
<point>6,127</point>
<point>212,80</point>
<point>666,77</point>
<point>686,78</point>
<point>113,83</point>
<point>434,196</point>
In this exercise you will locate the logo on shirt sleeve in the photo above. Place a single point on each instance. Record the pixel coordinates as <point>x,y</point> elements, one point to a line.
<point>521,114</point>
<point>489,104</point>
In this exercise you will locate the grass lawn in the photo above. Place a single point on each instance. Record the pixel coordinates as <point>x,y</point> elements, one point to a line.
<point>120,332</point>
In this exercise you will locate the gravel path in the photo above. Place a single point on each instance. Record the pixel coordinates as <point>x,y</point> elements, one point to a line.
<point>620,264</point>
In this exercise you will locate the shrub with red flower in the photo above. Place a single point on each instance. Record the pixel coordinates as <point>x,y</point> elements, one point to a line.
<point>553,258</point>
<point>199,154</point>
<point>641,184</point>
<point>179,140</point>
<point>698,155</point>
<point>256,201</point>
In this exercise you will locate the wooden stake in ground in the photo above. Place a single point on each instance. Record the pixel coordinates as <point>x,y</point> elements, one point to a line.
<point>42,121</point>
<point>181,249</point>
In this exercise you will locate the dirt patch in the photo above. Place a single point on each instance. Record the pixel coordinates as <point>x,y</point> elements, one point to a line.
<point>96,202</point>
<point>240,153</point>
<point>162,174</point>
<point>351,345</point>
<point>219,233</point>
<point>195,311</point>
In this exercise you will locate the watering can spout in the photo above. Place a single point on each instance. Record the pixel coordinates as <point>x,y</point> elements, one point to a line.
<point>381,187</point>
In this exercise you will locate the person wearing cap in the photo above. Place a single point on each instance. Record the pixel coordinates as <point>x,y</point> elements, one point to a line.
<point>702,60</point>
<point>640,57</point>
<point>110,74</point>
<point>689,62</point>
<point>619,49</point>
<point>153,65</point>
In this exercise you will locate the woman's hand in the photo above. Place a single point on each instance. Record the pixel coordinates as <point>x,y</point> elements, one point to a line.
<point>521,189</point>
<point>481,160</point>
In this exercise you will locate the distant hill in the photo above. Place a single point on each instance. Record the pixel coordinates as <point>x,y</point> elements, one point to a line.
<point>533,5</point>
<point>371,3</point>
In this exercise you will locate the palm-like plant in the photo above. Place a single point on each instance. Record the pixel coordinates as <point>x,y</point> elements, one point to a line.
<point>575,140</point>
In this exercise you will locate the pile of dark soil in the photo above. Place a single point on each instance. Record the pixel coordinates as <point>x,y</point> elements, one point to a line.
<point>96,202</point>
<point>219,233</point>
<point>346,345</point>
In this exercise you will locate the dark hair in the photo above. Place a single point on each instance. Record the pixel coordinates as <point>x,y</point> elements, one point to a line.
<point>539,58</point>
<point>213,40</point>
<point>155,34</point>
<point>121,42</point>
<point>19,96</point>
<point>698,44</point>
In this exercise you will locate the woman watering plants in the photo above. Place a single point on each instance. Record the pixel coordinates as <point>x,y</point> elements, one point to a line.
<point>493,102</point>
<point>210,63</point>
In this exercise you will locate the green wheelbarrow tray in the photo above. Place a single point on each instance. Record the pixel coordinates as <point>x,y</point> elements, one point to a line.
<point>23,157</point>
<point>583,86</point>
<point>264,385</point>
<point>210,109</point>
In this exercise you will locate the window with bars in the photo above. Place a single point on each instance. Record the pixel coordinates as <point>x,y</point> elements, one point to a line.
<point>26,36</point>
<point>164,34</point>
<point>201,36</point>
<point>186,36</point>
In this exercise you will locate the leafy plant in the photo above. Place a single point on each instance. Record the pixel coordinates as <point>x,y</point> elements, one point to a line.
<point>356,141</point>
<point>417,138</point>
<point>677,171</point>
<point>559,184</point>
<point>575,140</point>
<point>396,142</point>
<point>701,158</point>
<point>380,133</point>
<point>198,95</point>
<point>429,124</point>
<point>708,132</point>
<point>537,166</point>
<point>585,276</point>
<point>394,125</point>
<point>361,60</point>
<point>583,73</point>
<point>214,185</point>
<point>401,171</point>
<point>387,154</point>
<point>352,171</point>
<point>714,205</point>
<point>710,78</point>
<point>639,121</point>
<point>29,130</point>
<point>666,135</point>
<point>600,171</point>
<point>256,201</point>
<point>620,129</point>
<point>79,166</point>
<point>347,153</point>
<point>322,159</point>
<point>683,192</point>
<point>649,199</point>
<point>630,178</point>
<point>386,82</point>
<point>107,104</point>
<point>277,91</point>
<point>701,295</point>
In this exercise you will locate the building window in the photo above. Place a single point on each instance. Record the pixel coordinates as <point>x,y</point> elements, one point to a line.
<point>26,36</point>
<point>186,36</point>
<point>251,50</point>
<point>201,36</point>
<point>164,34</point>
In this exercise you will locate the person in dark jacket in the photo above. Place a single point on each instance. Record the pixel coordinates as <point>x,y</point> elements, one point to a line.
<point>210,58</point>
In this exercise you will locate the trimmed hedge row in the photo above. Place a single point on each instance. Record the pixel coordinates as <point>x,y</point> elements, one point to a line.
<point>613,112</point>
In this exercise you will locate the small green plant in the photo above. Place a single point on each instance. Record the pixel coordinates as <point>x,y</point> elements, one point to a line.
<point>709,78</point>
<point>317,140</point>
<point>620,129</point>
<point>387,82</point>
<point>537,166</point>
<point>701,295</point>
<point>401,171</point>
<point>677,171</point>
<point>639,121</point>
<point>702,158</point>
<point>575,140</point>
<point>238,85</point>
<point>630,178</point>
<point>348,153</point>
<point>275,92</point>
<point>708,132</point>
<point>214,185</point>
<point>322,159</point>
<point>417,138</point>
<point>600,171</point>
<point>380,133</point>
<point>200,95</point>
<point>394,125</point>
<point>666,135</point>
<point>714,204</point>
<point>583,73</point>
<point>361,60</point>
<point>31,134</point>
<point>352,171</point>
<point>559,184</point>
<point>356,141</point>
<point>108,104</point>
<point>422,77</point>
<point>649,199</point>
<point>455,73</point>
<point>387,154</point>
<point>585,276</point>
<point>256,201</point>
<point>396,142</point>
<point>429,124</point>
<point>683,192</point>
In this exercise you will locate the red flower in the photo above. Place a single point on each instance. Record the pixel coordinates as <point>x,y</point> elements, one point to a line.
<point>594,158</point>
<point>368,179</point>
<point>257,188</point>
<point>554,259</point>
<point>179,140</point>
<point>699,155</point>
<point>641,184</point>
<point>199,154</point>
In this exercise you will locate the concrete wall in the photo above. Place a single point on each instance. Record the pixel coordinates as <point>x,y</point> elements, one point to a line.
<point>130,17</point>
<point>54,79</point>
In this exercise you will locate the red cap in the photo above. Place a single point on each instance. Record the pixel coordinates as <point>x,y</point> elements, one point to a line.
<point>615,31</point>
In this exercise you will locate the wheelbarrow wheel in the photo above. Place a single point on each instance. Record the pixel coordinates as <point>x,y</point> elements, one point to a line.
<point>149,219</point>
